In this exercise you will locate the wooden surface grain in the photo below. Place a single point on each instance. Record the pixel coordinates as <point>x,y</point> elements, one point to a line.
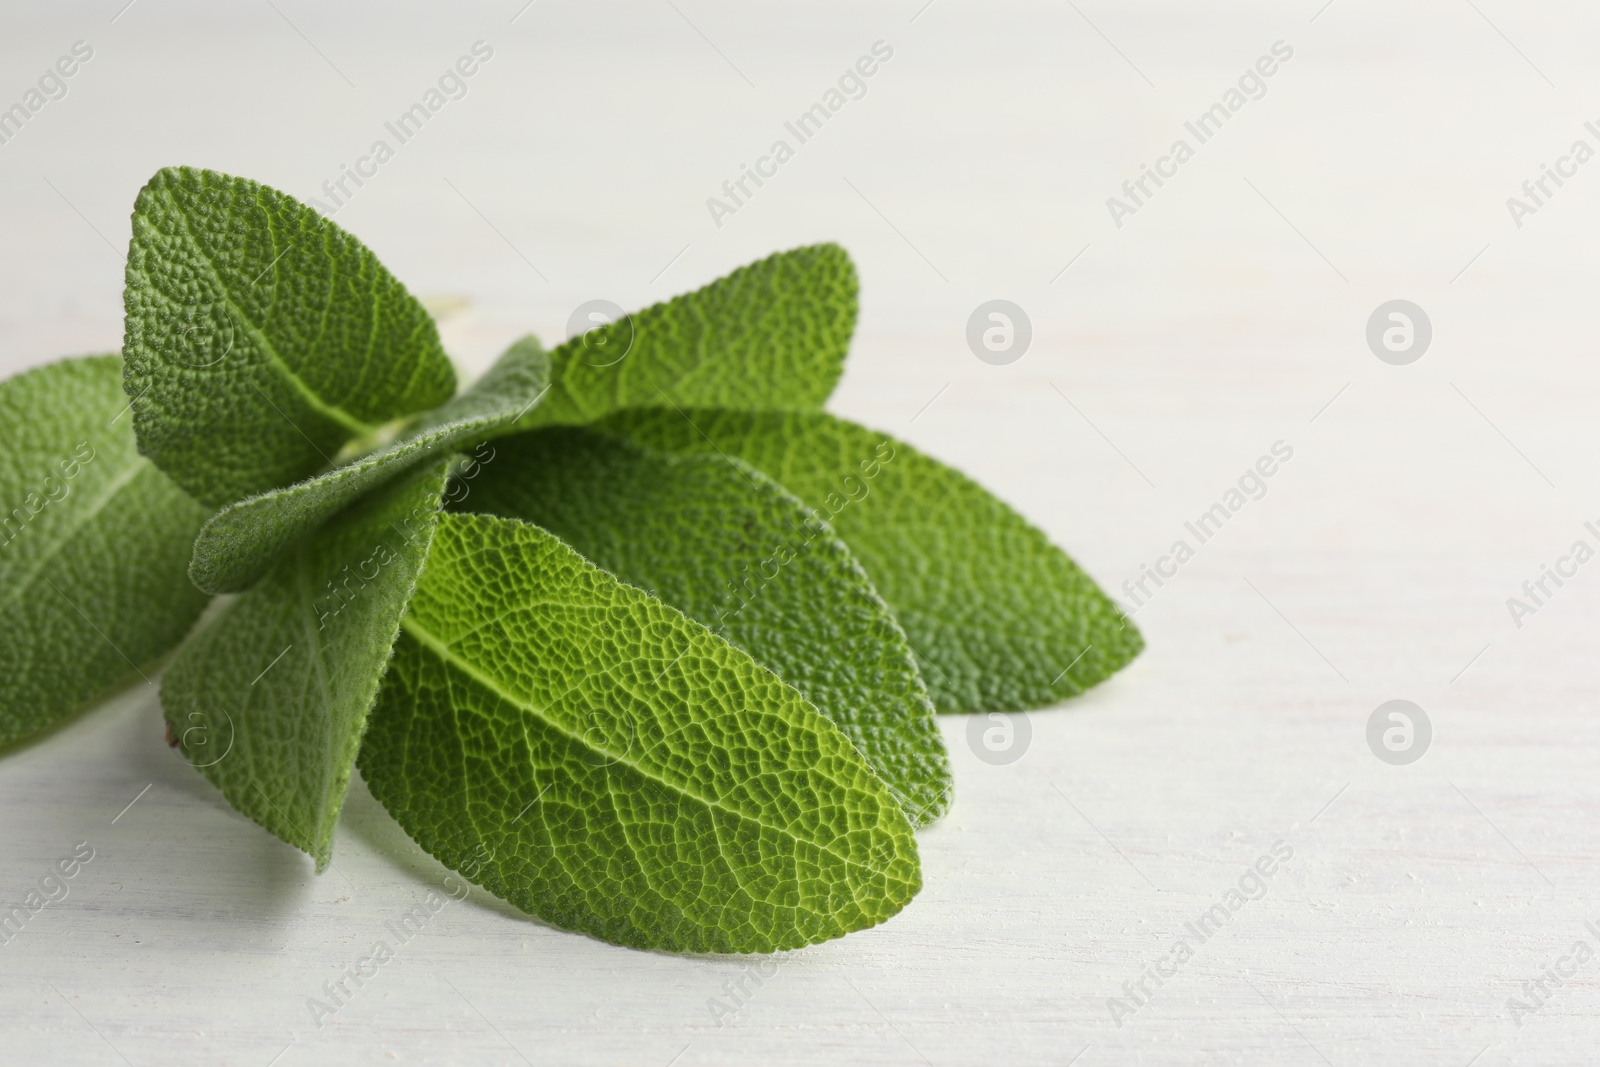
<point>1226,314</point>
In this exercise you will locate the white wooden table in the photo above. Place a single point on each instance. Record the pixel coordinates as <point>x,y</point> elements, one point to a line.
<point>1227,313</point>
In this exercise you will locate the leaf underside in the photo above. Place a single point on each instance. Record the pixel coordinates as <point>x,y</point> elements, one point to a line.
<point>270,701</point>
<point>731,549</point>
<point>1000,618</point>
<point>597,759</point>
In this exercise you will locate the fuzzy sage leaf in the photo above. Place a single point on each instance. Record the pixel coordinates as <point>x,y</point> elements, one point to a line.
<point>585,751</point>
<point>270,701</point>
<point>92,539</point>
<point>260,337</point>
<point>999,617</point>
<point>730,548</point>
<point>772,334</point>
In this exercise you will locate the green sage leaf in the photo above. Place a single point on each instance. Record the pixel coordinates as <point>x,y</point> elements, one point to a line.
<point>733,550</point>
<point>772,334</point>
<point>260,337</point>
<point>92,543</point>
<point>591,755</point>
<point>1000,618</point>
<point>270,701</point>
<point>238,544</point>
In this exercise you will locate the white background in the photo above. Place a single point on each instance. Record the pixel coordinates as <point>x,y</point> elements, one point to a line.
<point>1222,317</point>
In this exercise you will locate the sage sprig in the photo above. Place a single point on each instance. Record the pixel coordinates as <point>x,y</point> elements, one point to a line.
<point>631,633</point>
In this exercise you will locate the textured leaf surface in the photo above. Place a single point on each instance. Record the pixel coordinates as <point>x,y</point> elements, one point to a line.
<point>270,701</point>
<point>772,334</point>
<point>999,617</point>
<point>609,765</point>
<point>92,543</point>
<point>239,543</point>
<point>260,337</point>
<point>731,549</point>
